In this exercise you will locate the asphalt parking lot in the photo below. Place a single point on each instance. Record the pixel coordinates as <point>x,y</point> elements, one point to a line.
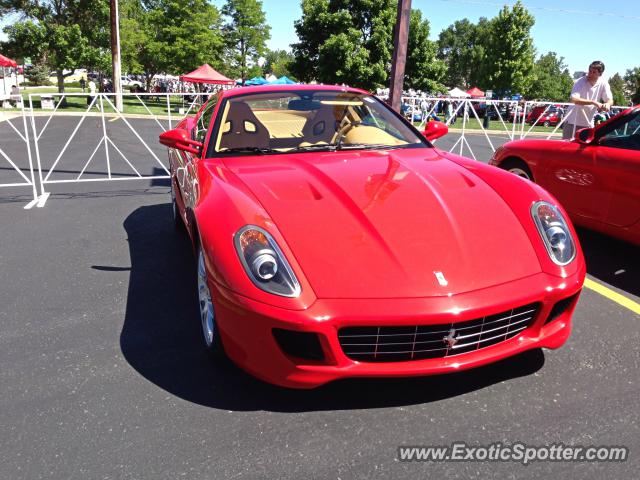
<point>103,375</point>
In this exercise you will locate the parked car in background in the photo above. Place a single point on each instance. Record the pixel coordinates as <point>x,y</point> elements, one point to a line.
<point>545,115</point>
<point>75,76</point>
<point>333,240</point>
<point>595,176</point>
<point>127,81</point>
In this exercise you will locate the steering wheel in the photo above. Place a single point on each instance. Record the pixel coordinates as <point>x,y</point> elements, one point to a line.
<point>343,130</point>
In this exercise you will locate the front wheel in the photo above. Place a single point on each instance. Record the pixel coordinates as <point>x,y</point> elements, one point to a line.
<point>175,213</point>
<point>212,341</point>
<point>518,167</point>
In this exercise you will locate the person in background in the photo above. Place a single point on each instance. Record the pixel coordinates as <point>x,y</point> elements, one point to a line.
<point>451,113</point>
<point>15,97</point>
<point>590,94</point>
<point>424,107</point>
<point>92,91</point>
<point>83,84</point>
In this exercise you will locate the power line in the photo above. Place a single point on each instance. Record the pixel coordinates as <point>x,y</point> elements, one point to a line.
<point>547,9</point>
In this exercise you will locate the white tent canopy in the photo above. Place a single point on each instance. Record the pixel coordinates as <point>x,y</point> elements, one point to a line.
<point>456,92</point>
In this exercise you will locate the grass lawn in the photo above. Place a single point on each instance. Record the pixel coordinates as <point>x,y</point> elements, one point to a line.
<point>496,125</point>
<point>142,105</point>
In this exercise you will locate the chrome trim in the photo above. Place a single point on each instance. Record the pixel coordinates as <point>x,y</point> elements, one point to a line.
<point>545,240</point>
<point>412,345</point>
<point>260,284</point>
<point>436,332</point>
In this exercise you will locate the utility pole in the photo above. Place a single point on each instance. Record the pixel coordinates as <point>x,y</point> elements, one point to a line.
<point>400,40</point>
<point>115,53</point>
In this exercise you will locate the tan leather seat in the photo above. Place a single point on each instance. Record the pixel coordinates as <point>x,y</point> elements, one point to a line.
<point>323,125</point>
<point>245,129</point>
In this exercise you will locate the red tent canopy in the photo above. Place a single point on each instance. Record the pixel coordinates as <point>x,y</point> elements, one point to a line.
<point>7,62</point>
<point>475,92</point>
<point>206,74</point>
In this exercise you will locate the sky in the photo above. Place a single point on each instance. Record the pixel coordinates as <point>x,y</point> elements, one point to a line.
<point>578,30</point>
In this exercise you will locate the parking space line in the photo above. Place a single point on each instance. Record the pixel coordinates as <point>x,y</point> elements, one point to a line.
<point>29,205</point>
<point>114,119</point>
<point>612,295</point>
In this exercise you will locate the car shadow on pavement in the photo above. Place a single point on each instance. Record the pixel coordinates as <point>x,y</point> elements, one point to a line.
<point>612,261</point>
<point>161,340</point>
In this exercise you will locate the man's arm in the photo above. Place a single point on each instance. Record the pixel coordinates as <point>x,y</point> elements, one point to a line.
<point>578,100</point>
<point>607,97</point>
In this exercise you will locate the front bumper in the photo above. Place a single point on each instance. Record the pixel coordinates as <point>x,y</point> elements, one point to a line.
<point>246,327</point>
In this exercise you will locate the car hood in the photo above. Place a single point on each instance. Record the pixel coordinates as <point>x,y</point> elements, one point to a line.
<point>389,224</point>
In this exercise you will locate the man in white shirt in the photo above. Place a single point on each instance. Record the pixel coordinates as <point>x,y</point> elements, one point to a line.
<point>92,91</point>
<point>590,94</point>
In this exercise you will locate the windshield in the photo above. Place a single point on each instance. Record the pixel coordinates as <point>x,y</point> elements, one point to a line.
<point>283,122</point>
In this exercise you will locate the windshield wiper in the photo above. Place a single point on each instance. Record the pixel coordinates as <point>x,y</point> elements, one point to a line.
<point>258,150</point>
<point>315,148</point>
<point>365,146</point>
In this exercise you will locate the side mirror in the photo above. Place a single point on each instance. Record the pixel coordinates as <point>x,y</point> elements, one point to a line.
<point>585,135</point>
<point>179,138</point>
<point>434,130</point>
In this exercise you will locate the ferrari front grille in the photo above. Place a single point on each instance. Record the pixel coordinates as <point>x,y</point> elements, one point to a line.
<point>418,342</point>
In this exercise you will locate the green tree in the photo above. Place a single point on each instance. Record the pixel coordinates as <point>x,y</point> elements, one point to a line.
<point>246,34</point>
<point>551,79</point>
<point>37,74</point>
<point>462,48</point>
<point>632,84</point>
<point>617,90</point>
<point>134,36</point>
<point>166,36</point>
<point>62,34</point>
<point>277,63</point>
<point>510,52</point>
<point>341,41</point>
<point>423,71</point>
<point>187,35</point>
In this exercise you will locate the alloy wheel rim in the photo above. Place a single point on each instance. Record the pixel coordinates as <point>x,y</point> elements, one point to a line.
<point>206,304</point>
<point>173,202</point>
<point>520,172</point>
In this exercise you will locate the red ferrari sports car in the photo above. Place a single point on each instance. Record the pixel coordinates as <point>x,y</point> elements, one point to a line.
<point>333,240</point>
<point>595,176</point>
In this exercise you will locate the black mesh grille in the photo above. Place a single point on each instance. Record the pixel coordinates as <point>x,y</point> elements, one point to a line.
<point>417,342</point>
<point>559,308</point>
<point>305,345</point>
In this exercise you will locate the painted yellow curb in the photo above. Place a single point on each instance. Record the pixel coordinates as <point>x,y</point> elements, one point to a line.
<point>613,296</point>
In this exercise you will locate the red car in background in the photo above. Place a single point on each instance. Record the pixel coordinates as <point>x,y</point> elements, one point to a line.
<point>596,176</point>
<point>333,240</point>
<point>545,116</point>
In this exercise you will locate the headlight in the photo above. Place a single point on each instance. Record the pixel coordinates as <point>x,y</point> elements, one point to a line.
<point>494,157</point>
<point>554,232</point>
<point>264,262</point>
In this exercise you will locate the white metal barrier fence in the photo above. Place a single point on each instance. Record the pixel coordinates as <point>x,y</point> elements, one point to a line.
<point>68,143</point>
<point>79,128</point>
<point>514,119</point>
<point>19,163</point>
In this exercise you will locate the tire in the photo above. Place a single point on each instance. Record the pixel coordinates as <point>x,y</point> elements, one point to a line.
<point>546,123</point>
<point>518,167</point>
<point>210,333</point>
<point>177,219</point>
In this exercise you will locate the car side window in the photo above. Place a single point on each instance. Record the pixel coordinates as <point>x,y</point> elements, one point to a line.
<point>202,125</point>
<point>626,136</point>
